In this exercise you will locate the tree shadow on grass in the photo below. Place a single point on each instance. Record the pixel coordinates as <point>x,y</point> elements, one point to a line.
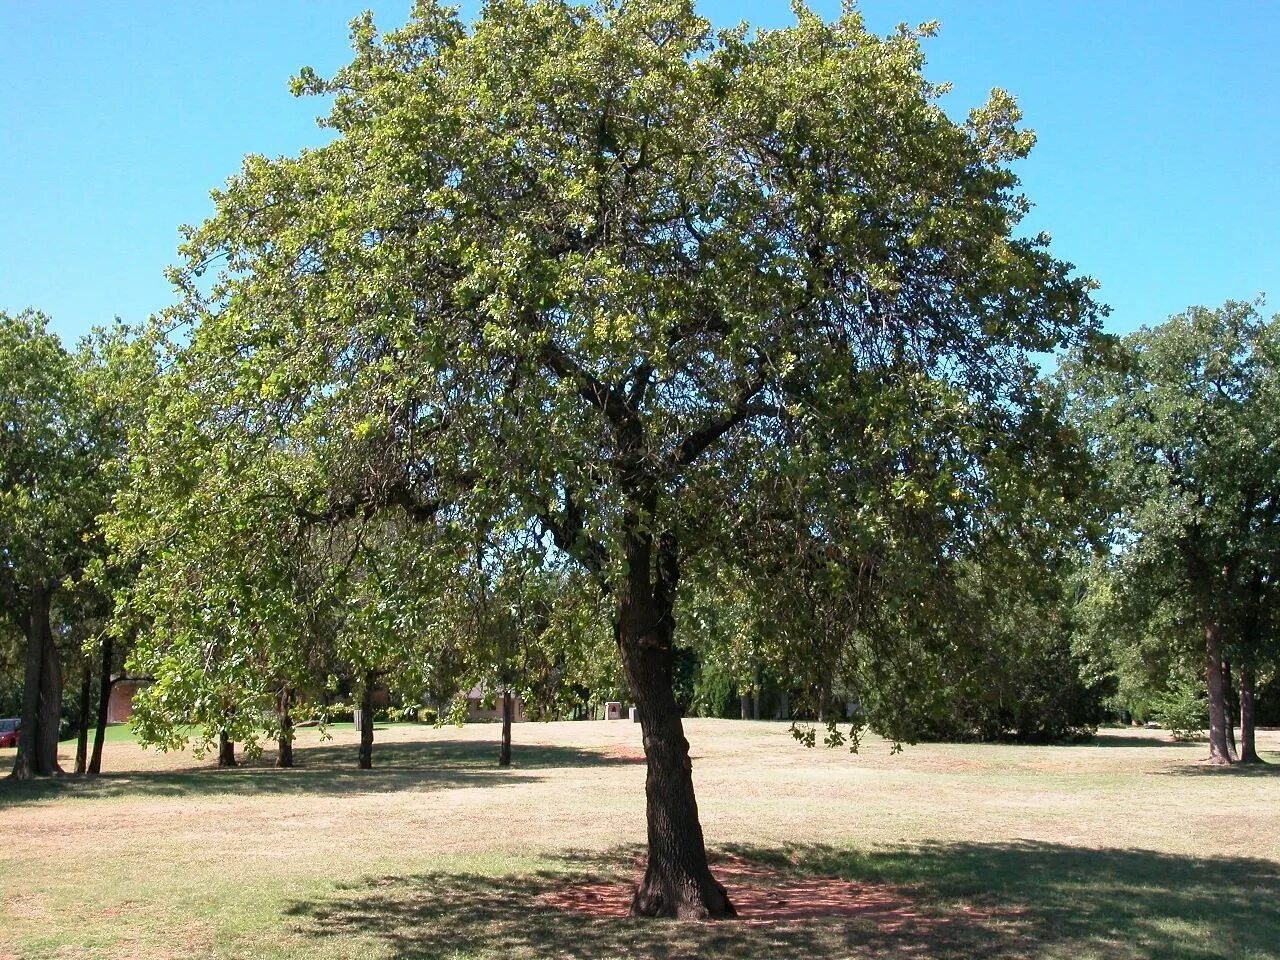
<point>1092,902</point>
<point>1105,739</point>
<point>462,755</point>
<point>322,770</point>
<point>965,900</point>
<point>1269,767</point>
<point>439,916</point>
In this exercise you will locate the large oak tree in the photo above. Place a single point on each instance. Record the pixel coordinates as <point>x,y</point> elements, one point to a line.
<point>676,298</point>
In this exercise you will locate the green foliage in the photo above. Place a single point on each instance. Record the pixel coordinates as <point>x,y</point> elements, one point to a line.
<point>659,303</point>
<point>12,643</point>
<point>1183,418</point>
<point>1183,710</point>
<point>712,693</point>
<point>52,478</point>
<point>63,416</point>
<point>1141,642</point>
<point>532,626</point>
<point>1011,669</point>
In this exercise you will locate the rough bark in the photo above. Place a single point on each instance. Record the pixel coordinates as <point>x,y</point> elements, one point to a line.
<point>1229,709</point>
<point>366,723</point>
<point>82,742</point>
<point>50,705</point>
<point>677,880</point>
<point>41,694</point>
<point>24,766</point>
<point>1248,743</point>
<point>104,701</point>
<point>1219,751</point>
<point>284,744</point>
<point>504,751</point>
<point>226,750</point>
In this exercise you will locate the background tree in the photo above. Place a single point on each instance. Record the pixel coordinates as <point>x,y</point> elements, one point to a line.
<point>60,442</point>
<point>1150,645</point>
<point>1186,427</point>
<point>1017,669</point>
<point>531,630</point>
<point>630,278</point>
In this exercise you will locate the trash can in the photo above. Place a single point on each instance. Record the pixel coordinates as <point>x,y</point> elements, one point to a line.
<point>613,710</point>
<point>635,715</point>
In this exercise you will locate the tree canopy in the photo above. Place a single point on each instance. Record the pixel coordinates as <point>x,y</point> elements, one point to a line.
<point>666,298</point>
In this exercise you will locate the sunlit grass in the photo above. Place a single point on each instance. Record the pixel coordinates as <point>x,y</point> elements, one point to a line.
<point>1122,849</point>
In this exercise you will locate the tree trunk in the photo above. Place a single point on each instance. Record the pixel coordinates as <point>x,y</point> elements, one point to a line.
<point>744,704</point>
<point>284,745</point>
<point>41,694</point>
<point>82,742</point>
<point>677,880</point>
<point>504,751</point>
<point>1219,752</point>
<point>1229,709</point>
<point>104,701</point>
<point>784,706</point>
<point>366,723</point>
<point>226,750</point>
<point>24,766</point>
<point>50,705</point>
<point>1248,744</point>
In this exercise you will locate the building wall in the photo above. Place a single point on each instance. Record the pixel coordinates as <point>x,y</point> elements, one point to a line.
<point>477,709</point>
<point>120,704</point>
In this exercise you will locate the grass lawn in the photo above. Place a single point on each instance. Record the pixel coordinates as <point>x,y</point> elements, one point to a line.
<point>1124,848</point>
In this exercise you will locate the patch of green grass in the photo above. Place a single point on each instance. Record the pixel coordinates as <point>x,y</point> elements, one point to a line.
<point>1122,849</point>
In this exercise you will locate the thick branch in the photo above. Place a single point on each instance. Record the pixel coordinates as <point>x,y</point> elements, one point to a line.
<point>569,533</point>
<point>608,400</point>
<point>365,503</point>
<point>743,409</point>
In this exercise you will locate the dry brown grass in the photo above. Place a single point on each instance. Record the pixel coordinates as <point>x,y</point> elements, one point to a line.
<point>985,850</point>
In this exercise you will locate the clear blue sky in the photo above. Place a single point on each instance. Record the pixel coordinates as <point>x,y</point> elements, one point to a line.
<point>1157,170</point>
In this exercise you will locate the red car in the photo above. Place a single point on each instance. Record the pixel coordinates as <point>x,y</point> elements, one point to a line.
<point>9,732</point>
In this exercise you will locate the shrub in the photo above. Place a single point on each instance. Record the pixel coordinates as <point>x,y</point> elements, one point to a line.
<point>1183,710</point>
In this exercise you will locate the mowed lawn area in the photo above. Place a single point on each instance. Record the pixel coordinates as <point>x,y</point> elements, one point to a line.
<point>1123,848</point>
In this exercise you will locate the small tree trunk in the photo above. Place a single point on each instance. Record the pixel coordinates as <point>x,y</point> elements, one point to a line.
<point>504,751</point>
<point>1248,744</point>
<point>284,745</point>
<point>1219,751</point>
<point>784,706</point>
<point>744,703</point>
<point>226,750</point>
<point>82,742</point>
<point>677,880</point>
<point>366,724</point>
<point>755,705</point>
<point>1229,708</point>
<point>104,701</point>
